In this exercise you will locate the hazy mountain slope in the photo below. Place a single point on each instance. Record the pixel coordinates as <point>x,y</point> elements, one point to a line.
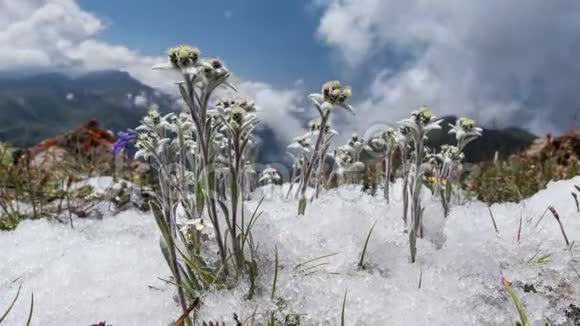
<point>36,107</point>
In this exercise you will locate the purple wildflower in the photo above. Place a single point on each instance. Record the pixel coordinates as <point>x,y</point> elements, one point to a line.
<point>124,140</point>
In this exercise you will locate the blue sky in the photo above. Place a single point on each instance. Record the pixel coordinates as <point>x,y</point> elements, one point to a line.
<point>266,40</point>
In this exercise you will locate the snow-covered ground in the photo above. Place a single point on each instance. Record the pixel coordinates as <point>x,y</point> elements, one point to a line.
<point>108,269</point>
<point>100,270</point>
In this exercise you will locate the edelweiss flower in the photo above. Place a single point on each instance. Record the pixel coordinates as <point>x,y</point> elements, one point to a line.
<point>333,94</point>
<point>183,58</point>
<point>145,145</point>
<point>238,115</point>
<point>356,145</point>
<point>302,144</point>
<point>216,73</point>
<point>198,223</point>
<point>151,120</point>
<point>403,136</point>
<point>314,128</point>
<point>214,68</point>
<point>384,141</point>
<point>343,155</point>
<point>421,122</point>
<point>448,159</point>
<point>269,175</point>
<point>465,131</point>
<point>179,123</point>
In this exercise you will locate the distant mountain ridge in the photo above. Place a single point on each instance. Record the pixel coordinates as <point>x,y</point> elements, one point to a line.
<point>503,141</point>
<point>37,107</point>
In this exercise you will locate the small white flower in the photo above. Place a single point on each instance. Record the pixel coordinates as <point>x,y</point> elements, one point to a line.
<point>183,58</point>
<point>465,131</point>
<point>269,175</point>
<point>421,122</point>
<point>198,223</point>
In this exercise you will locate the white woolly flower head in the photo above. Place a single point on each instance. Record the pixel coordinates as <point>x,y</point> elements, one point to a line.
<point>301,144</point>
<point>465,131</point>
<point>238,116</point>
<point>183,58</point>
<point>269,175</point>
<point>421,122</point>
<point>198,225</point>
<point>333,94</point>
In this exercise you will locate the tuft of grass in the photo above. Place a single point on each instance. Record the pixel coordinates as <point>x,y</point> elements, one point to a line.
<point>523,318</point>
<point>492,219</point>
<point>275,275</point>
<point>342,314</point>
<point>361,262</point>
<point>11,305</point>
<point>557,217</point>
<point>575,197</point>
<point>303,265</point>
<point>420,277</point>
<point>184,316</point>
<point>541,217</point>
<point>31,310</point>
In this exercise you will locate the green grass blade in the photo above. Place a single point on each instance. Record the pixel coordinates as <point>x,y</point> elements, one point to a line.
<point>312,267</point>
<point>275,275</point>
<point>361,262</point>
<point>315,259</point>
<point>343,308</point>
<point>544,259</point>
<point>271,321</point>
<point>420,277</point>
<point>31,309</point>
<point>183,317</point>
<point>11,305</point>
<point>516,300</point>
<point>302,206</point>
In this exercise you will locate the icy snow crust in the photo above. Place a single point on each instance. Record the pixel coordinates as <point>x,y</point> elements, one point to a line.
<point>102,270</point>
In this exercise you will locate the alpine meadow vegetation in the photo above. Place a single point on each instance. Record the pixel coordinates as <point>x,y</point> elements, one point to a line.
<point>203,158</point>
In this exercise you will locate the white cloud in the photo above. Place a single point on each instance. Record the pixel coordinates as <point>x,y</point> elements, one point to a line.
<point>70,96</point>
<point>277,107</point>
<point>140,101</point>
<point>504,60</point>
<point>60,34</point>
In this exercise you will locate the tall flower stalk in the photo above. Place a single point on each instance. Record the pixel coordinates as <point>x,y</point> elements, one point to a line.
<point>201,156</point>
<point>238,121</point>
<point>403,137</point>
<point>329,133</point>
<point>446,163</point>
<point>387,141</point>
<point>465,132</point>
<point>299,150</point>
<point>333,95</point>
<point>420,123</point>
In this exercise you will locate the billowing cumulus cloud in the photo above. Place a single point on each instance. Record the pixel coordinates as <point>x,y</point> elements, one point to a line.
<point>59,34</point>
<point>511,62</point>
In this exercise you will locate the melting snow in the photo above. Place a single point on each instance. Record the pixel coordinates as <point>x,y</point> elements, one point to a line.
<point>108,269</point>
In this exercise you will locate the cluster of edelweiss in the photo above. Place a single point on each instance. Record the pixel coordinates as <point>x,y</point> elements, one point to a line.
<point>310,151</point>
<point>202,156</point>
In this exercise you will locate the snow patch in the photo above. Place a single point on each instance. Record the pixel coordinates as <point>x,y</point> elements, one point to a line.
<point>102,270</point>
